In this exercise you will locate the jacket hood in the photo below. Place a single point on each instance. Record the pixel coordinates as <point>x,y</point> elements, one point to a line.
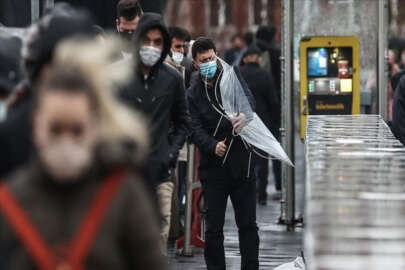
<point>148,21</point>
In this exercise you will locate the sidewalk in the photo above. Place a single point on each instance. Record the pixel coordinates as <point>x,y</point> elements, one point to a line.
<point>277,246</point>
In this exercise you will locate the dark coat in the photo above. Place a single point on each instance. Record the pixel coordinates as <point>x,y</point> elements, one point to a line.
<point>261,84</point>
<point>128,237</point>
<point>204,120</point>
<point>161,98</point>
<point>274,54</point>
<point>396,79</point>
<point>398,112</point>
<point>187,63</point>
<point>15,135</point>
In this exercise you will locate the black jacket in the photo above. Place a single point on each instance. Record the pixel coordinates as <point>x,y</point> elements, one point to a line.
<point>398,112</point>
<point>274,54</point>
<point>161,97</point>
<point>261,85</point>
<point>15,135</point>
<point>204,120</point>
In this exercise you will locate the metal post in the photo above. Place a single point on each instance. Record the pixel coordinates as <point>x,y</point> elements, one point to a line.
<point>382,59</point>
<point>35,10</point>
<point>49,4</point>
<point>187,250</point>
<point>287,109</point>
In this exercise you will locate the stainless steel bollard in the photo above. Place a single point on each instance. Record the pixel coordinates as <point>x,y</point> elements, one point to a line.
<point>187,250</point>
<point>49,4</point>
<point>287,118</point>
<point>35,10</point>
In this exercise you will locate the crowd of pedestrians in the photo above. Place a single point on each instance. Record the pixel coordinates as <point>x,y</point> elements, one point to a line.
<point>94,130</point>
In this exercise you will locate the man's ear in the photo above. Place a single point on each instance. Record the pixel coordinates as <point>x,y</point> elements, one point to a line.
<point>117,21</point>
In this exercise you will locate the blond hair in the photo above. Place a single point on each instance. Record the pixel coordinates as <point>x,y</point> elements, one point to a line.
<point>93,59</point>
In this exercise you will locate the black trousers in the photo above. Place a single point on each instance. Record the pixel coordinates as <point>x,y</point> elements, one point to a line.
<point>262,169</point>
<point>262,173</point>
<point>243,198</point>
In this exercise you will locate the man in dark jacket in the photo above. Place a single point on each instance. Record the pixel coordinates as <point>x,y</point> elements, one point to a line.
<point>225,168</point>
<point>158,91</point>
<point>261,84</point>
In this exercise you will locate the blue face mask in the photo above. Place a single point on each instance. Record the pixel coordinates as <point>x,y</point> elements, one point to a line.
<point>208,70</point>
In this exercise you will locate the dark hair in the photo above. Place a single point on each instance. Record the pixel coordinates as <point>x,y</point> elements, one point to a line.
<point>45,35</point>
<point>249,38</point>
<point>202,44</point>
<point>69,79</point>
<point>128,9</point>
<point>179,33</point>
<point>266,33</point>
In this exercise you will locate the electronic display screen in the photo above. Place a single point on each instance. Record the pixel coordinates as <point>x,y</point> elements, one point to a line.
<point>317,62</point>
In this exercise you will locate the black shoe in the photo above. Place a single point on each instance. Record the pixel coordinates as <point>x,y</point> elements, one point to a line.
<point>262,202</point>
<point>262,199</point>
<point>276,196</point>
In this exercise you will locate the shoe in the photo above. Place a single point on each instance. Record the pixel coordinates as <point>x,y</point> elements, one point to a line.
<point>262,199</point>
<point>262,202</point>
<point>276,196</point>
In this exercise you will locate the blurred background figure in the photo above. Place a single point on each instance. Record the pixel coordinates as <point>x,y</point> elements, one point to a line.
<point>260,83</point>
<point>178,52</point>
<point>179,60</point>
<point>249,38</point>
<point>128,15</point>
<point>10,75</point>
<point>37,53</point>
<point>233,55</point>
<point>265,40</point>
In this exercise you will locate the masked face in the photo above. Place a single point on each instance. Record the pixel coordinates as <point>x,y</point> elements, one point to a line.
<point>208,69</point>
<point>206,63</point>
<point>65,135</point>
<point>150,55</point>
<point>177,57</point>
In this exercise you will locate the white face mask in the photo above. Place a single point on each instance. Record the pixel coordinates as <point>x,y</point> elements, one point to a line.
<point>177,57</point>
<point>149,55</point>
<point>66,161</point>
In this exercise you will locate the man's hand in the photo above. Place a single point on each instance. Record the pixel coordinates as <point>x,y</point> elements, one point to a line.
<point>220,149</point>
<point>238,122</point>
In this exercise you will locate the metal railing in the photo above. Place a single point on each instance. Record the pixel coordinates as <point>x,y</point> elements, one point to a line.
<point>355,194</point>
<point>187,249</point>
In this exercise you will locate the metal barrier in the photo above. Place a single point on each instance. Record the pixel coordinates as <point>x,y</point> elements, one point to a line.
<point>355,194</point>
<point>187,250</point>
<point>194,223</point>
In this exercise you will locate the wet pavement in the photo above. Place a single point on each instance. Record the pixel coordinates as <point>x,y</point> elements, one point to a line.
<point>277,245</point>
